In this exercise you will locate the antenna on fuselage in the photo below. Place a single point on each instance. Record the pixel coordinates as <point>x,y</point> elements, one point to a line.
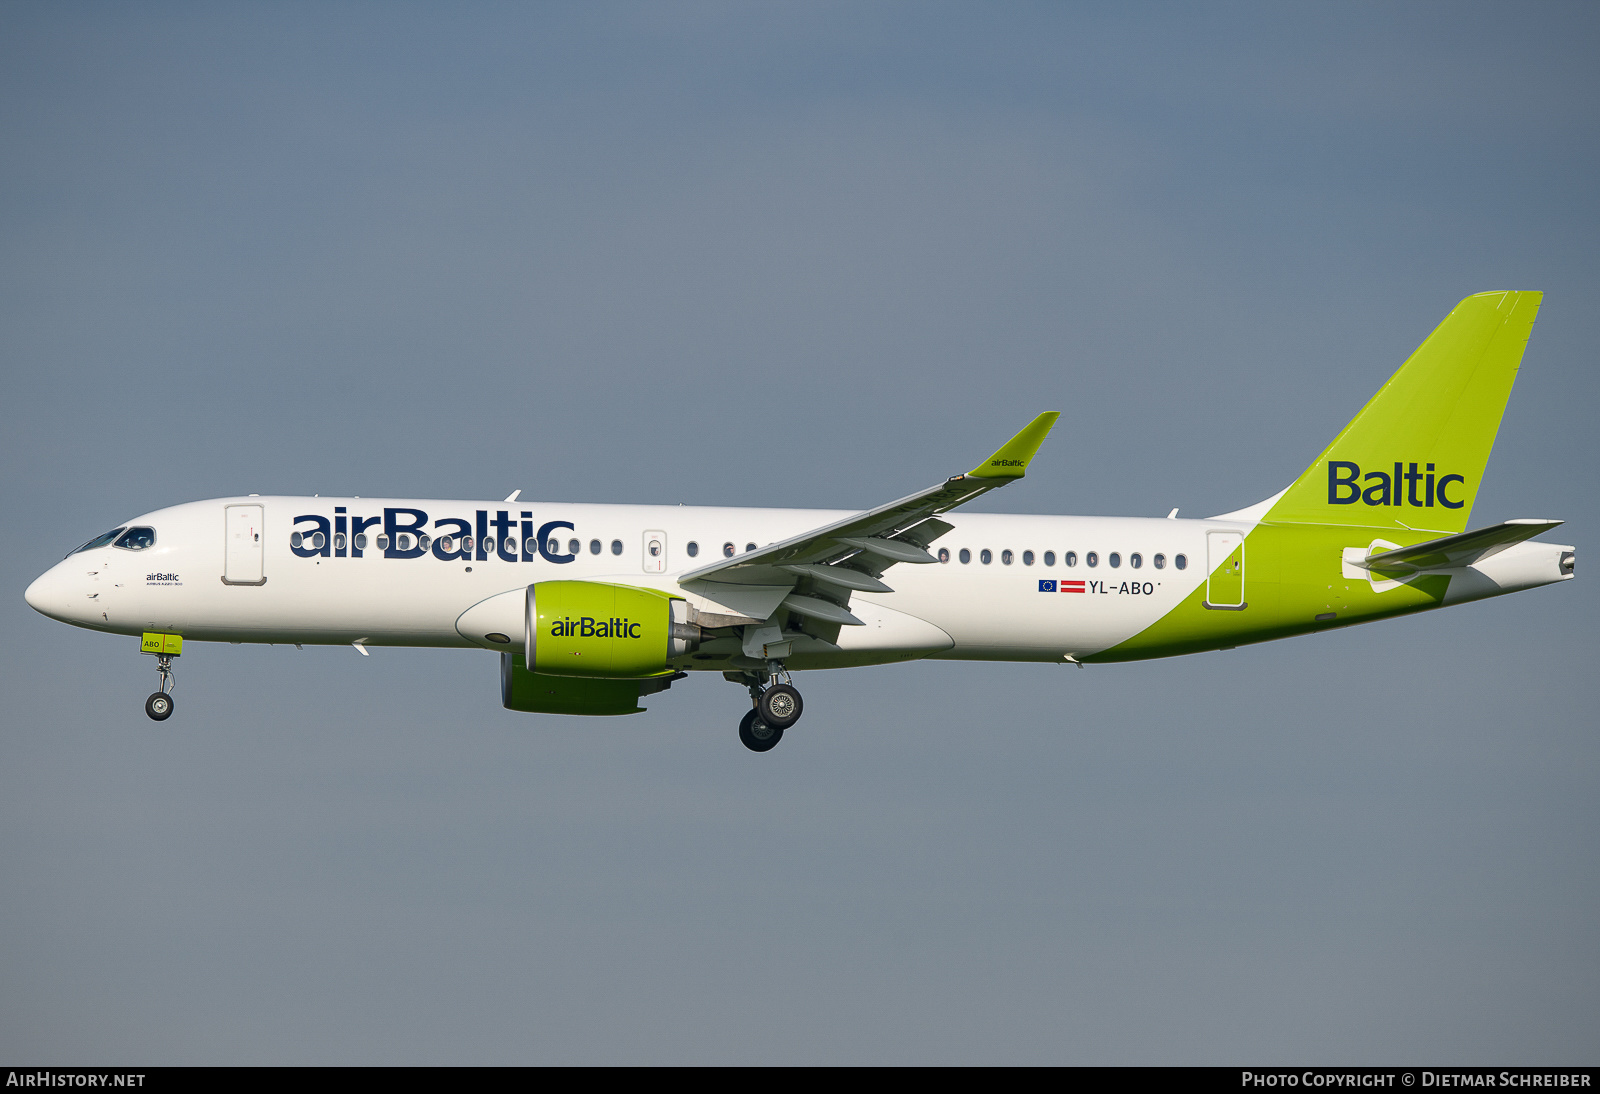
<point>511,497</point>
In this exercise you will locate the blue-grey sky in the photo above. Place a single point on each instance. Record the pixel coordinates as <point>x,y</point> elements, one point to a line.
<point>811,255</point>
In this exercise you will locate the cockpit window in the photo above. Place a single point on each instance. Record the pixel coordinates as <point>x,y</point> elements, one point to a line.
<point>99,541</point>
<point>137,539</point>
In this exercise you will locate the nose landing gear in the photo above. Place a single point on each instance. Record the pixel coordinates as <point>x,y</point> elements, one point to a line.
<point>159,705</point>
<point>774,708</point>
<point>164,647</point>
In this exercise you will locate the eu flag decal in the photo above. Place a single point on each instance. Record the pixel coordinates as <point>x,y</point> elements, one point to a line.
<point>1046,585</point>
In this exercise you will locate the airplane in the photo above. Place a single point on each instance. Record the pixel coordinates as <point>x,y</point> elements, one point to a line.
<point>593,607</point>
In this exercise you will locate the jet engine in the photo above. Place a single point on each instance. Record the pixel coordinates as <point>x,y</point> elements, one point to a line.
<point>593,629</point>
<point>595,648</point>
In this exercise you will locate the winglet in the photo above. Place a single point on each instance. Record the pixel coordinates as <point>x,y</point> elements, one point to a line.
<point>1011,462</point>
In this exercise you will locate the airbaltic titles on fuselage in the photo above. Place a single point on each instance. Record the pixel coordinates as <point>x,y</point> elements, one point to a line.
<point>406,534</point>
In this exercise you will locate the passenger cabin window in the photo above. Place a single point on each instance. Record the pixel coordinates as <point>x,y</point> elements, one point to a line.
<point>573,547</point>
<point>944,554</point>
<point>692,547</point>
<point>1135,560</point>
<point>1049,558</point>
<point>488,544</point>
<point>749,546</point>
<point>361,542</point>
<point>319,541</point>
<point>137,539</point>
<point>1092,558</point>
<point>383,543</point>
<point>727,550</point>
<point>1180,562</point>
<point>986,556</point>
<point>594,546</point>
<point>446,543</point>
<point>1160,562</point>
<point>1115,560</point>
<point>100,541</point>
<point>402,541</point>
<point>965,556</point>
<point>1027,558</point>
<point>616,546</point>
<point>1006,556</point>
<point>1070,558</point>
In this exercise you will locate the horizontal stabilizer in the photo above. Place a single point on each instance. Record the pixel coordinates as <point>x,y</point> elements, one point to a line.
<point>1451,552</point>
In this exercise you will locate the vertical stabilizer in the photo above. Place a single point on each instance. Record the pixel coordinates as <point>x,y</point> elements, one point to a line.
<point>1414,456</point>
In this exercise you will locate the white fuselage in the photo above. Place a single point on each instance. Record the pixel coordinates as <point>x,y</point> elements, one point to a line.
<point>991,610</point>
<point>1009,587</point>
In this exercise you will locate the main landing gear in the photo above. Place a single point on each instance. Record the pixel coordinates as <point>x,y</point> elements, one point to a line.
<point>774,708</point>
<point>159,705</point>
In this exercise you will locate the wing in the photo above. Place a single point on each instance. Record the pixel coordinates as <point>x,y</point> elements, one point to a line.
<point>1450,552</point>
<point>813,574</point>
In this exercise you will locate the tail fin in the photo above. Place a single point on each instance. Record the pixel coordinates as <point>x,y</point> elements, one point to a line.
<point>1414,456</point>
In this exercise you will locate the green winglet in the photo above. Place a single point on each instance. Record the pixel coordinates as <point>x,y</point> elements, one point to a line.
<point>1011,462</point>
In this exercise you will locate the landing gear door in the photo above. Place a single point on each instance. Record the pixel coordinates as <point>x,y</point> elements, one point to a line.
<point>655,552</point>
<point>244,549</point>
<point>1225,567</point>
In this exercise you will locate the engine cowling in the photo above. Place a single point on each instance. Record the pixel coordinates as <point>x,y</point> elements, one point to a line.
<point>597,630</point>
<point>539,693</point>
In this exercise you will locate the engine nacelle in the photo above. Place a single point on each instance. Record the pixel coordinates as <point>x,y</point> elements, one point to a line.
<point>539,693</point>
<point>596,630</point>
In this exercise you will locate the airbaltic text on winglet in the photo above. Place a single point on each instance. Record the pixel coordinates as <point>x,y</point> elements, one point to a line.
<point>1006,463</point>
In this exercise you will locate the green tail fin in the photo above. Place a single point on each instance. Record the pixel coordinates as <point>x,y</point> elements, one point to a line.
<point>1414,456</point>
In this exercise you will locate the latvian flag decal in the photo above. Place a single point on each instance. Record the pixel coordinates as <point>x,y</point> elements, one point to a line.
<point>1072,586</point>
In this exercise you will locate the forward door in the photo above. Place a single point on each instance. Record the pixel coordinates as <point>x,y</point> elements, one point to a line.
<point>244,550</point>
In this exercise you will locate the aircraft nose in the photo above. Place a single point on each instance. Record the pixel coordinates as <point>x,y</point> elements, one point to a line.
<point>51,594</point>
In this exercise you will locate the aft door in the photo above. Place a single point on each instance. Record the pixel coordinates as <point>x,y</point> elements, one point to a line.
<point>244,550</point>
<point>1225,560</point>
<point>655,552</point>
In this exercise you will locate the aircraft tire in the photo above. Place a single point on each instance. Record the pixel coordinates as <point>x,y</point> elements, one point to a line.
<point>780,706</point>
<point>756,735</point>
<point>158,706</point>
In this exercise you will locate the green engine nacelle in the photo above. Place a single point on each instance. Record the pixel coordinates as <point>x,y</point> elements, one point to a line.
<point>539,693</point>
<point>595,648</point>
<point>595,630</point>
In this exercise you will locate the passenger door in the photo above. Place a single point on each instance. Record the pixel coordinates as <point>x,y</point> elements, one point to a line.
<point>1225,560</point>
<point>244,550</point>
